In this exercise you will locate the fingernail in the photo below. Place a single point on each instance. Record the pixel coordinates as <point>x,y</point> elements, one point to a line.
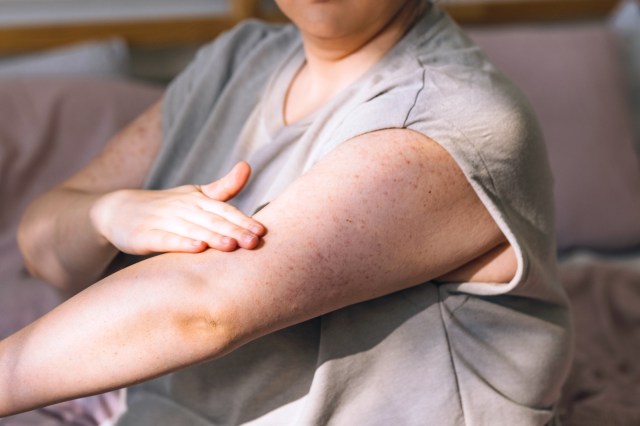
<point>249,238</point>
<point>255,229</point>
<point>196,243</point>
<point>226,241</point>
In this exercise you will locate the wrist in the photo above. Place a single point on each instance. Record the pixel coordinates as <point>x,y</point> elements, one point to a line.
<point>100,216</point>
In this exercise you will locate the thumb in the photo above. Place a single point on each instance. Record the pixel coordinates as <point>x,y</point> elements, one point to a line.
<point>230,185</point>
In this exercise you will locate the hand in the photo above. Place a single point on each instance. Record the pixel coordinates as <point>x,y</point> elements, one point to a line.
<point>187,218</point>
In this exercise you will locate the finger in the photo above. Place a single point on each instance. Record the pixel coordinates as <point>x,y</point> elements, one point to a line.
<point>158,241</point>
<point>209,222</point>
<point>230,185</point>
<point>213,211</point>
<point>220,234</point>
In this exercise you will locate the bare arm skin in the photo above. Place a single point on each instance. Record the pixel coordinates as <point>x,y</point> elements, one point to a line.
<point>381,213</point>
<point>69,235</point>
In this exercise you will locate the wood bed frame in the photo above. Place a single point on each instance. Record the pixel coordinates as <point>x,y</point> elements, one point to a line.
<point>164,32</point>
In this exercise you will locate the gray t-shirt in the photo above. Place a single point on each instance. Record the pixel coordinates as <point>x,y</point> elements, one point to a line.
<point>433,354</point>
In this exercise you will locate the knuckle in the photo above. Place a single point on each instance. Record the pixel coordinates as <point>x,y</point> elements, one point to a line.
<point>226,209</point>
<point>232,211</point>
<point>209,237</point>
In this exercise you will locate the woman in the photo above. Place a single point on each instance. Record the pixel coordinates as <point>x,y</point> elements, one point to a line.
<point>399,268</point>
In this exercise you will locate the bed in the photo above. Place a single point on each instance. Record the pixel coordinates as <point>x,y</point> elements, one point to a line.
<point>65,89</point>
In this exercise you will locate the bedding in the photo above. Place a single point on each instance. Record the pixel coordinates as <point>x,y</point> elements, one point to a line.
<point>604,384</point>
<point>51,126</point>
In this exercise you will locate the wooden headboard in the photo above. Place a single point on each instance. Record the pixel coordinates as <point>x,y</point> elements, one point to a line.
<point>162,32</point>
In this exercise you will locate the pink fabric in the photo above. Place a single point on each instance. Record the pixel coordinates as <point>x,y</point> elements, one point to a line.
<point>574,80</point>
<point>90,411</point>
<point>49,128</point>
<point>604,385</point>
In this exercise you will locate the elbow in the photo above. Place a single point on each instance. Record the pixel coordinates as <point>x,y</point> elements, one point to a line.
<point>206,336</point>
<point>202,338</point>
<point>205,324</point>
<point>38,261</point>
<point>27,243</point>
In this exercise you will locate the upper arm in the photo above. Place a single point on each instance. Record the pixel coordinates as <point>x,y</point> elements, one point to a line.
<point>126,160</point>
<point>382,212</point>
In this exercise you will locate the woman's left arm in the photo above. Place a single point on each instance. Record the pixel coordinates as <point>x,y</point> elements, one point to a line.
<point>382,212</point>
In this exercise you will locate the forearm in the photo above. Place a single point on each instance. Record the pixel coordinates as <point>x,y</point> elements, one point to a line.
<point>59,242</point>
<point>137,324</point>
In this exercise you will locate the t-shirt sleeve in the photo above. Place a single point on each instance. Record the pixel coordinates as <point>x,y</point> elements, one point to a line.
<point>209,72</point>
<point>490,131</point>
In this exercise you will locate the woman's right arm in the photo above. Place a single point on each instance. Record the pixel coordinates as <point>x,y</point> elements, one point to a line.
<point>69,235</point>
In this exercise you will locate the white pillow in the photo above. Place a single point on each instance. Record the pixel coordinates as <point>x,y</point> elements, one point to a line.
<point>109,57</point>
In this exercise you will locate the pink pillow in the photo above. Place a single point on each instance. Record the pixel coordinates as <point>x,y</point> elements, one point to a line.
<point>572,76</point>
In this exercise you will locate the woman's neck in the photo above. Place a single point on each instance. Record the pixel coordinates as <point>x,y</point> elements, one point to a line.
<point>334,63</point>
